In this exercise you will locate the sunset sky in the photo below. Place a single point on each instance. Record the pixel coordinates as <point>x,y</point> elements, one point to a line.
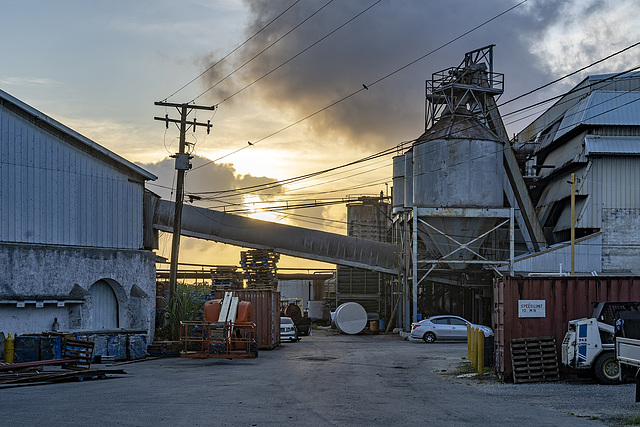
<point>98,67</point>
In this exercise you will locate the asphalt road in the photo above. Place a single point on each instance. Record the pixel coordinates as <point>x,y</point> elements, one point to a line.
<point>325,379</point>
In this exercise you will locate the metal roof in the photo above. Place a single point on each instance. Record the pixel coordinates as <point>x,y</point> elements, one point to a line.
<point>557,258</point>
<point>75,135</point>
<point>612,145</point>
<point>603,108</point>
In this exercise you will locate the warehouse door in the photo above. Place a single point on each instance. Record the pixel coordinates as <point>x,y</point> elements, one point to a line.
<point>104,311</point>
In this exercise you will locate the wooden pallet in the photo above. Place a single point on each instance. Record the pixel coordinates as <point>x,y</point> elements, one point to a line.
<point>50,376</point>
<point>165,349</point>
<point>534,360</point>
<point>80,350</point>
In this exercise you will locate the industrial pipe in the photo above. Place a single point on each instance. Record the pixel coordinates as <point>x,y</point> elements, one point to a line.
<point>284,239</point>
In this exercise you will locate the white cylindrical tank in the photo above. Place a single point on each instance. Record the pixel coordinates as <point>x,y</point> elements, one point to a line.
<point>350,318</point>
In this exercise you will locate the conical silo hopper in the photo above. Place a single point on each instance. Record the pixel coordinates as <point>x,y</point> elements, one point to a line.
<point>457,163</point>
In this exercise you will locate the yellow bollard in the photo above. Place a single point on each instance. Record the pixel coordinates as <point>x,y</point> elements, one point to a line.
<point>480,339</point>
<point>9,348</point>
<point>474,348</point>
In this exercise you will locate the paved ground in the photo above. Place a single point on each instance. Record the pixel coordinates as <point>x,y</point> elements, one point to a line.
<point>326,379</point>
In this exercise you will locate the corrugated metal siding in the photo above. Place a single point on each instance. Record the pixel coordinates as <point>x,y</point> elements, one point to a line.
<point>623,131</point>
<point>558,189</point>
<point>611,145</point>
<point>607,182</point>
<point>358,285</point>
<point>564,220</point>
<point>54,193</point>
<point>612,182</point>
<point>566,153</point>
<point>565,299</point>
<point>627,82</point>
<point>603,108</point>
<point>552,115</point>
<point>588,258</point>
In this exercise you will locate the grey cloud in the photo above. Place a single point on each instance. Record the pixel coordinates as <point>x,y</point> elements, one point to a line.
<point>385,38</point>
<point>210,178</point>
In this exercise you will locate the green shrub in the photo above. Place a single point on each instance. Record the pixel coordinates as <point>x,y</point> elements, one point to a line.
<point>187,304</point>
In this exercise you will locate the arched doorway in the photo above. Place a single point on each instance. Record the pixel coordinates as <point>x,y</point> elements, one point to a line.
<point>104,311</point>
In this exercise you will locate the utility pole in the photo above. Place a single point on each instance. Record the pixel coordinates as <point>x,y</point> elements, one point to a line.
<point>182,164</point>
<point>573,224</point>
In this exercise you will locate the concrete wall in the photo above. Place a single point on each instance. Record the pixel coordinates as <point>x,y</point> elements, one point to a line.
<point>620,241</point>
<point>54,282</point>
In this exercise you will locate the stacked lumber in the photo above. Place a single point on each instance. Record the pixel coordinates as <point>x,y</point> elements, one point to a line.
<point>260,268</point>
<point>225,278</point>
<point>39,376</point>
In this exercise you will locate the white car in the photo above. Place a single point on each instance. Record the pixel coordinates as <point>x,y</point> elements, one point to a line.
<point>288,330</point>
<point>445,327</point>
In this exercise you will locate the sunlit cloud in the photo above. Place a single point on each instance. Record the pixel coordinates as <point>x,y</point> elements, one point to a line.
<point>585,31</point>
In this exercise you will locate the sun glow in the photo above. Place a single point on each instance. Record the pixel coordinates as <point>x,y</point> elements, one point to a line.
<point>258,209</point>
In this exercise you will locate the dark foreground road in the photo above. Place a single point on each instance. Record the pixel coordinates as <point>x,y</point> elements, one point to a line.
<point>326,379</point>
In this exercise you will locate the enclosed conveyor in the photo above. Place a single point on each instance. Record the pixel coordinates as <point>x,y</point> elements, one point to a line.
<point>284,239</point>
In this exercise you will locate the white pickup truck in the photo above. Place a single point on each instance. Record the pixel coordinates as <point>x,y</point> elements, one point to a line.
<point>627,346</point>
<point>628,351</point>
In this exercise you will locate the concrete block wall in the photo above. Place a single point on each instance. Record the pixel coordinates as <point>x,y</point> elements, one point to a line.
<point>620,242</point>
<point>56,275</point>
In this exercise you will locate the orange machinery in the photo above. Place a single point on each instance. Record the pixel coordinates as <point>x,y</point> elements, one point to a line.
<point>227,331</point>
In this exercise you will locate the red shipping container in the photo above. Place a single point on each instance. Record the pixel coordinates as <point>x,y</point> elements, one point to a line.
<point>566,298</point>
<point>266,313</point>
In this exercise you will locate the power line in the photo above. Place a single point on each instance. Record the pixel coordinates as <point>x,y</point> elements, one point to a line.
<point>497,151</point>
<point>263,187</point>
<point>230,53</point>
<point>571,74</point>
<point>262,51</point>
<point>300,53</point>
<point>256,189</point>
<point>362,88</point>
<point>305,176</point>
<point>555,81</point>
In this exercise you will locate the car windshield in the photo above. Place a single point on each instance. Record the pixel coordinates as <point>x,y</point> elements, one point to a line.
<point>286,320</point>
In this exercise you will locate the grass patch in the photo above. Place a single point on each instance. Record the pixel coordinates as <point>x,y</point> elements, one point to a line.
<point>633,420</point>
<point>462,369</point>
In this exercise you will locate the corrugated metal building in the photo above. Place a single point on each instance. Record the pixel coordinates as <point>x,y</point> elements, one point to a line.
<point>72,244</point>
<point>367,218</point>
<point>593,132</point>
